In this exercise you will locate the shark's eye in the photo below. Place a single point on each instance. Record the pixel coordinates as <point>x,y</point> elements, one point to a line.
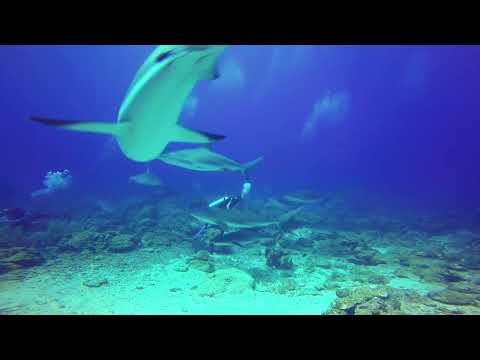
<point>164,56</point>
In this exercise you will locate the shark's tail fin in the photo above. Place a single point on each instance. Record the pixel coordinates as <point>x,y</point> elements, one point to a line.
<point>82,126</point>
<point>247,166</point>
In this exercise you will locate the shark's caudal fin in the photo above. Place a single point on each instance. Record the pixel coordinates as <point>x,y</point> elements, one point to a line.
<point>247,166</point>
<point>252,163</point>
<point>184,135</point>
<point>82,126</point>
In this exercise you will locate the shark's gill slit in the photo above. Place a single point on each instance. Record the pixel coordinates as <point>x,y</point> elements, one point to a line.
<point>164,56</point>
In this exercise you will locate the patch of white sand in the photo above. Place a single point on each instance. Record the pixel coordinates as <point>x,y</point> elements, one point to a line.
<point>156,289</point>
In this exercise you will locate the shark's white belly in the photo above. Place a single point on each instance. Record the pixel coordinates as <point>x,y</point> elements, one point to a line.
<point>149,116</point>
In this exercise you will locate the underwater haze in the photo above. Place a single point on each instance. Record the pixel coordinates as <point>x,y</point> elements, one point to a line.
<point>366,200</point>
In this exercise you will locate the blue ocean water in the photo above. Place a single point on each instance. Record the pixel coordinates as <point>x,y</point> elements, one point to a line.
<point>409,126</point>
<point>396,126</point>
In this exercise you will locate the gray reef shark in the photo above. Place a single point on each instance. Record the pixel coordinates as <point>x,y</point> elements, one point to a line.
<point>231,221</point>
<point>303,197</point>
<point>147,119</point>
<point>204,159</point>
<point>146,179</point>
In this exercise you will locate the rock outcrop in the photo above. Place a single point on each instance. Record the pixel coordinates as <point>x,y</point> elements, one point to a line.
<point>19,258</point>
<point>230,281</point>
<point>122,243</point>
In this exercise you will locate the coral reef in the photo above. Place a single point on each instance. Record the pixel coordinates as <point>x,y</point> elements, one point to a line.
<point>278,258</point>
<point>122,243</point>
<point>298,238</point>
<point>363,300</point>
<point>363,255</point>
<point>78,241</point>
<point>201,261</point>
<point>453,298</point>
<point>18,257</point>
<point>350,259</point>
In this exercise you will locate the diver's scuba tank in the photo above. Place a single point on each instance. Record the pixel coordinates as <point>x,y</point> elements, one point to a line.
<point>229,202</point>
<point>219,202</point>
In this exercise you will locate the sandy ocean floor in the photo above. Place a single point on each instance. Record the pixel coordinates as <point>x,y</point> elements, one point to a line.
<point>152,288</point>
<point>142,259</point>
<point>147,282</point>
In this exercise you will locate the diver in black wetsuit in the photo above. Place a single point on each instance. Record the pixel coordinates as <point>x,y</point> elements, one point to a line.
<point>229,202</point>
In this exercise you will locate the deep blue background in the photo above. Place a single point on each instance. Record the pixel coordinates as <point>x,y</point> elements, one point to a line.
<point>411,129</point>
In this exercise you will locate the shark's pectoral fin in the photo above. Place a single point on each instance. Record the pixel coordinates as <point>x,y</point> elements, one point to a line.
<point>82,126</point>
<point>184,135</point>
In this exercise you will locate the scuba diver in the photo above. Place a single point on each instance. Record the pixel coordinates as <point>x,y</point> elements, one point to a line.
<point>229,202</point>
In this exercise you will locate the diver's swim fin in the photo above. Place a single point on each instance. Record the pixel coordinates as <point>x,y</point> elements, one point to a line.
<point>82,126</point>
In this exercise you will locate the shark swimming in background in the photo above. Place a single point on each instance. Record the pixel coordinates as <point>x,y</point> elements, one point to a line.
<point>146,179</point>
<point>147,119</point>
<point>231,221</point>
<point>235,220</point>
<point>204,159</point>
<point>304,197</point>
